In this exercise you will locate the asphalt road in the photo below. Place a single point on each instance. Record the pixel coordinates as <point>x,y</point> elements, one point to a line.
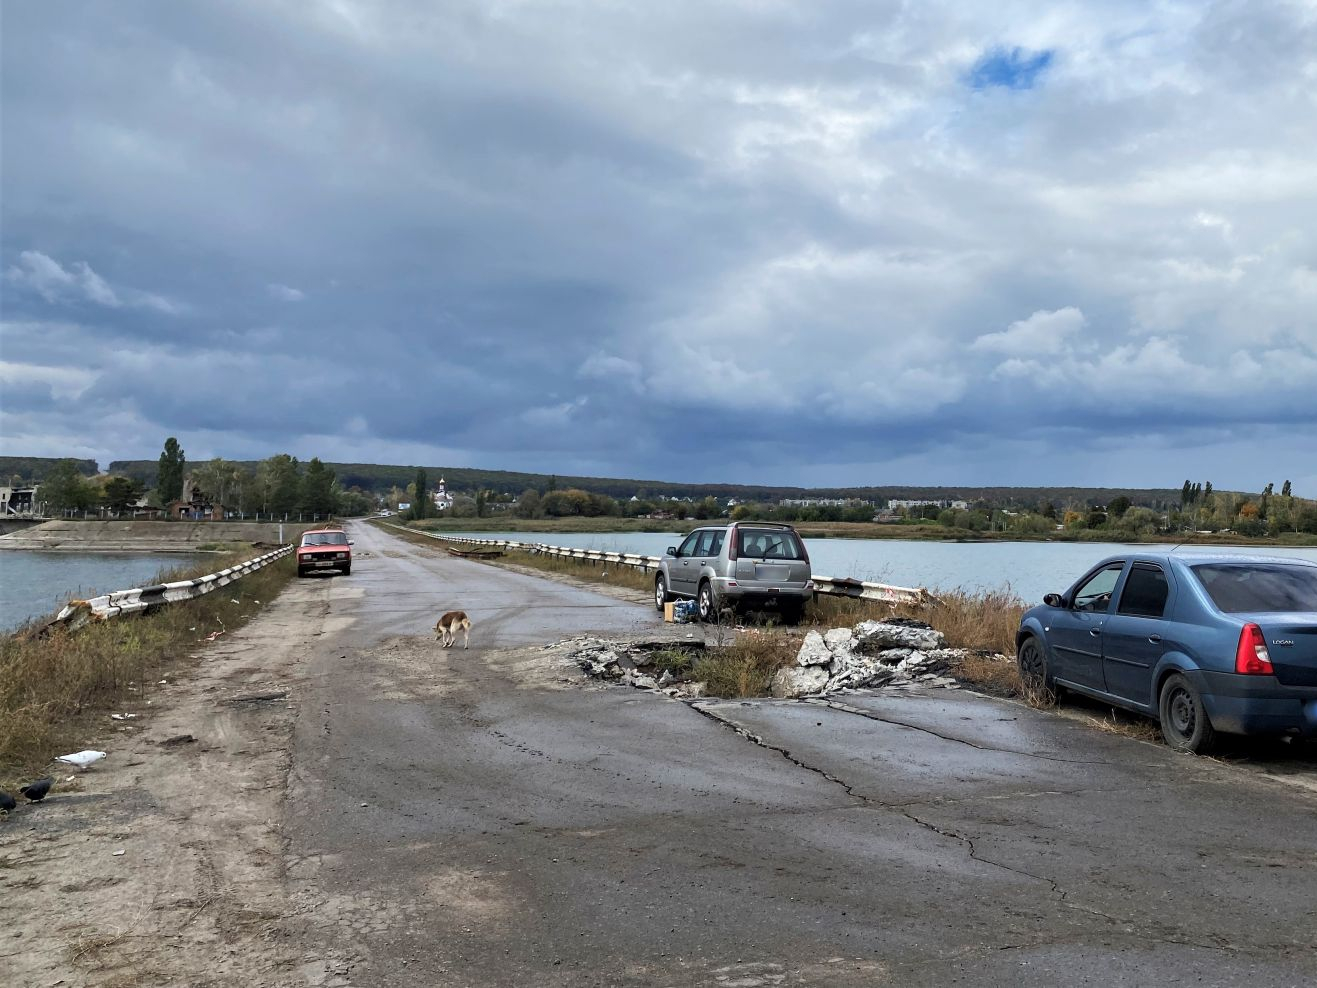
<point>486,817</point>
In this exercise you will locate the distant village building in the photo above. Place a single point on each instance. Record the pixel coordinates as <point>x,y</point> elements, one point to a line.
<point>946,503</point>
<point>197,506</point>
<point>442,499</point>
<point>18,500</point>
<point>835,502</point>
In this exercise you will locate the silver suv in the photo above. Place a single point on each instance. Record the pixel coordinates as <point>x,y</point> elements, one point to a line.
<point>744,564</point>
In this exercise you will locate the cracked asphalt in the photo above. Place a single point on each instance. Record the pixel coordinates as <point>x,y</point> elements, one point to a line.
<point>487,817</point>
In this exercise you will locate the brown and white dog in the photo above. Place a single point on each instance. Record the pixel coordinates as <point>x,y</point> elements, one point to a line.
<point>449,625</point>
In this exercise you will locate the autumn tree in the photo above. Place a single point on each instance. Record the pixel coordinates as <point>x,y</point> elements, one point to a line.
<point>65,489</point>
<point>219,478</point>
<point>120,493</point>
<point>280,483</point>
<point>528,505</point>
<point>318,496</point>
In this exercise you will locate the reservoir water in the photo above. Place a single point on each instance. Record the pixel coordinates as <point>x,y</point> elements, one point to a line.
<point>33,584</point>
<point>1029,569</point>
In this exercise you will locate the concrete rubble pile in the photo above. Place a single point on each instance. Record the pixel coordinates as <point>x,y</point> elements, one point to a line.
<point>873,653</point>
<point>618,661</point>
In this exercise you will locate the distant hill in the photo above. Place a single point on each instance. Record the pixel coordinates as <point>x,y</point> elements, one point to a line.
<point>379,478</point>
<point>33,469</point>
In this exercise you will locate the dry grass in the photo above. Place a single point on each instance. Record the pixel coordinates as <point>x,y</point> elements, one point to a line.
<point>50,684</point>
<point>746,666</point>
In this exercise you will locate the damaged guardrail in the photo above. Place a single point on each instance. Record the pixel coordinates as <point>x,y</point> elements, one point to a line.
<point>829,585</point>
<point>76,613</point>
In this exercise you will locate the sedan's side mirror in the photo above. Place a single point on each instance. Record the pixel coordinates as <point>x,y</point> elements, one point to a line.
<point>352,542</point>
<point>1054,600</point>
<point>672,550</point>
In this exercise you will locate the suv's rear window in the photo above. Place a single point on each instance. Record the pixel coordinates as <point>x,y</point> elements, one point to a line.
<point>768,543</point>
<point>1238,588</point>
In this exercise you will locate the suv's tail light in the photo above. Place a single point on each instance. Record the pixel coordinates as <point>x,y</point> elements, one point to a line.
<point>1252,657</point>
<point>804,550</point>
<point>733,546</point>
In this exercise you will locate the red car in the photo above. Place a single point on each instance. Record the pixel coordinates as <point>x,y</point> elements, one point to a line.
<point>324,548</point>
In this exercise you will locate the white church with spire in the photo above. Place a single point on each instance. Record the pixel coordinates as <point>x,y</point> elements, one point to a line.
<point>442,499</point>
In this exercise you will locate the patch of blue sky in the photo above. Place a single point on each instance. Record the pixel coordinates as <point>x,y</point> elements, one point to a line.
<point>1009,68</point>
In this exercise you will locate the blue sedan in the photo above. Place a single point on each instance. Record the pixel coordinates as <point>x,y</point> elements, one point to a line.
<point>1203,643</point>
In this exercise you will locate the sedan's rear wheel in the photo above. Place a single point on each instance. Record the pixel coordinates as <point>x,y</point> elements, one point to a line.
<point>706,605</point>
<point>1184,720</point>
<point>1033,672</point>
<point>661,595</point>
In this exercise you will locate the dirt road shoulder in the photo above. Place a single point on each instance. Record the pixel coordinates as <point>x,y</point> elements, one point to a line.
<point>163,864</point>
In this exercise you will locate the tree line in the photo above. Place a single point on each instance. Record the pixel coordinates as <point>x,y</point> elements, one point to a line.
<point>276,486</point>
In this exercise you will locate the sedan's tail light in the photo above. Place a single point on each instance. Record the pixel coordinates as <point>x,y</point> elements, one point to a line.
<point>1252,657</point>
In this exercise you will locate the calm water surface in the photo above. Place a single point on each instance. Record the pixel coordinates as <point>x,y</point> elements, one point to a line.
<point>1030,569</point>
<point>33,584</point>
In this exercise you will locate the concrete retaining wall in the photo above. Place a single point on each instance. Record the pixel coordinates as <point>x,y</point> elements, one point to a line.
<point>148,536</point>
<point>78,612</point>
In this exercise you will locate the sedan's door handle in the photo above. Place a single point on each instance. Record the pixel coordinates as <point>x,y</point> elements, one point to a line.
<point>1154,639</point>
<point>1095,631</point>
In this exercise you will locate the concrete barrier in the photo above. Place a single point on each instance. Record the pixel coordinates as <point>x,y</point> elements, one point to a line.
<point>827,585</point>
<point>78,612</point>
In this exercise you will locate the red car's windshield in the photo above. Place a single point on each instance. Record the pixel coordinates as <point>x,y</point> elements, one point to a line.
<point>325,538</point>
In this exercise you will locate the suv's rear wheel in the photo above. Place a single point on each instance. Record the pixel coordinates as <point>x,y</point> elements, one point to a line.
<point>661,595</point>
<point>705,602</point>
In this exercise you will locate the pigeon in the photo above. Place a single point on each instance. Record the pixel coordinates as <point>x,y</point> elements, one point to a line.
<point>82,759</point>
<point>7,802</point>
<point>36,791</point>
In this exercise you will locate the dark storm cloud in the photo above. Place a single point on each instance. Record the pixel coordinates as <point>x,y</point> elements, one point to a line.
<point>800,244</point>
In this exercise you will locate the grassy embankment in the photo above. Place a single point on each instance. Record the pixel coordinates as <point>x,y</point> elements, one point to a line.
<point>57,689</point>
<point>982,623</point>
<point>847,530</point>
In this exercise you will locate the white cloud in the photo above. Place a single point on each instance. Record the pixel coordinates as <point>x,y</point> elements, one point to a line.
<point>54,283</point>
<point>79,283</point>
<point>558,416</point>
<point>1042,332</point>
<point>65,383</point>
<point>285,293</point>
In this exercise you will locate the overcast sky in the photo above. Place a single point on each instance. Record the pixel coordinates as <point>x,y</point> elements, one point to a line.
<point>842,243</point>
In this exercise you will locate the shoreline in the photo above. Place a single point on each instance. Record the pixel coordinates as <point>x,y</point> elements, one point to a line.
<point>863,531</point>
<point>186,537</point>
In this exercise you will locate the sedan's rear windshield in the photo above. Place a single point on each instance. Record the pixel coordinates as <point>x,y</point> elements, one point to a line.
<point>1237,588</point>
<point>325,538</point>
<point>768,543</point>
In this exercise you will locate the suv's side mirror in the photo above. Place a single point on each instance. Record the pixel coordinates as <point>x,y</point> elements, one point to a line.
<point>1053,600</point>
<point>352,542</point>
<point>672,550</point>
